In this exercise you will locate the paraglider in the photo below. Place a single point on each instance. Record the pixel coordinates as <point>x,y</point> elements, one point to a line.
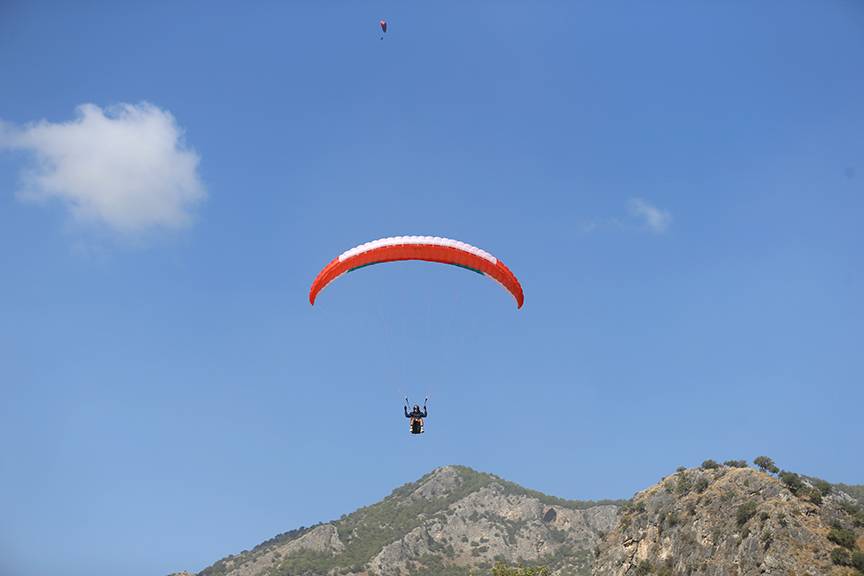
<point>416,416</point>
<point>383,25</point>
<point>426,248</point>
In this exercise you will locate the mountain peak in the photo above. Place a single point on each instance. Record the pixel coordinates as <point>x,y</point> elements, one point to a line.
<point>454,519</point>
<point>439,483</point>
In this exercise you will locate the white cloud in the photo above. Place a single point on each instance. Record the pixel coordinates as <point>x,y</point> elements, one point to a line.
<point>653,218</point>
<point>125,167</point>
<point>642,216</point>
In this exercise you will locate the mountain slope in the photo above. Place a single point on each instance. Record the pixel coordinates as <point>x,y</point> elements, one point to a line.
<point>729,520</point>
<point>451,521</point>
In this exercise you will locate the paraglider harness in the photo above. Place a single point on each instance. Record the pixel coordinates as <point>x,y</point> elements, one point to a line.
<point>416,416</point>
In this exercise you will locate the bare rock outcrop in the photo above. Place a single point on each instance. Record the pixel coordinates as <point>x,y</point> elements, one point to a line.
<point>491,525</point>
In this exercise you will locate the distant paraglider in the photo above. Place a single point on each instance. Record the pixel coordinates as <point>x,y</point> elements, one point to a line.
<point>383,25</point>
<point>427,248</point>
<point>416,425</point>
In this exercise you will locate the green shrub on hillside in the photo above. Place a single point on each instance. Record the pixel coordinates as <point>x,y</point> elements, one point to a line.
<point>736,463</point>
<point>683,485</point>
<point>841,557</point>
<point>792,481</point>
<point>766,464</point>
<point>823,486</point>
<point>745,512</point>
<point>814,496</point>
<point>710,465</point>
<point>842,537</point>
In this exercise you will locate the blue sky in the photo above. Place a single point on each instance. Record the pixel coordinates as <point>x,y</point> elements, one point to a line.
<point>170,397</point>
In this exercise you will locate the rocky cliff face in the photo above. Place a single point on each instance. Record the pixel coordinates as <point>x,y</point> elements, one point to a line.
<point>731,521</point>
<point>452,521</point>
<point>492,524</point>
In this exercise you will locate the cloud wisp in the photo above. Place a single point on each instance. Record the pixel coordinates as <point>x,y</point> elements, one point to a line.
<point>642,215</point>
<point>126,167</point>
<point>652,218</point>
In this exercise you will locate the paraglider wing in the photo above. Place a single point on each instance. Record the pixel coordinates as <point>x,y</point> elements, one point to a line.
<point>383,24</point>
<point>427,248</point>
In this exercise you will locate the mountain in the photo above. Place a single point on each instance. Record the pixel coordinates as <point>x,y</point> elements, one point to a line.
<point>721,520</point>
<point>450,522</point>
<point>716,520</point>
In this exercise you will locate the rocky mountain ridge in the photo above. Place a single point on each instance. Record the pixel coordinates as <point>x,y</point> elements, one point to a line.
<point>451,521</point>
<point>721,520</point>
<point>715,520</point>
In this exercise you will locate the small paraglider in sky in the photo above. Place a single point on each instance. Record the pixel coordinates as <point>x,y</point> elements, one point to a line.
<point>383,25</point>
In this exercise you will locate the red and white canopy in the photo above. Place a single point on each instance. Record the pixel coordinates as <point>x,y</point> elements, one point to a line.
<point>428,248</point>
